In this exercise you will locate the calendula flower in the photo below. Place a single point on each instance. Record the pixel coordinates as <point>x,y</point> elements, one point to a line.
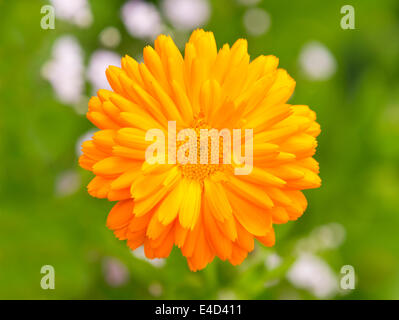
<point>205,209</point>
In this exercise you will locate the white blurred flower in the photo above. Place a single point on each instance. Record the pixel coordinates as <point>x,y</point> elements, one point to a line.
<point>256,21</point>
<point>317,62</point>
<point>65,70</point>
<point>139,253</point>
<point>86,136</point>
<point>99,62</point>
<point>75,11</point>
<point>273,260</point>
<point>67,183</point>
<point>307,244</point>
<point>324,237</point>
<point>186,14</point>
<point>110,37</point>
<point>311,273</point>
<point>155,289</point>
<point>141,19</point>
<point>115,272</point>
<point>329,236</point>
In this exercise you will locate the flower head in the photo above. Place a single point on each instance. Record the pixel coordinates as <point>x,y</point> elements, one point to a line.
<point>203,207</point>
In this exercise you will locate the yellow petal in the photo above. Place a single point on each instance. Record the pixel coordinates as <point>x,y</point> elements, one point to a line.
<point>191,204</point>
<point>126,179</point>
<point>253,218</point>
<point>182,102</point>
<point>170,206</point>
<point>153,63</point>
<point>217,200</point>
<point>112,166</point>
<point>250,192</point>
<point>263,177</point>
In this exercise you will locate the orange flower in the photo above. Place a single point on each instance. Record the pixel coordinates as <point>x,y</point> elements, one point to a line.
<point>204,209</point>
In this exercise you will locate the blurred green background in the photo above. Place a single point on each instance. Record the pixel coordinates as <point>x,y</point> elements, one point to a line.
<point>349,77</point>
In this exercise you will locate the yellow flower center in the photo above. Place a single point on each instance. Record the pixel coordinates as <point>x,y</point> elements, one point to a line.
<point>199,171</point>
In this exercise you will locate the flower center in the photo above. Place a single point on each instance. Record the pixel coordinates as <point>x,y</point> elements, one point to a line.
<point>206,152</point>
